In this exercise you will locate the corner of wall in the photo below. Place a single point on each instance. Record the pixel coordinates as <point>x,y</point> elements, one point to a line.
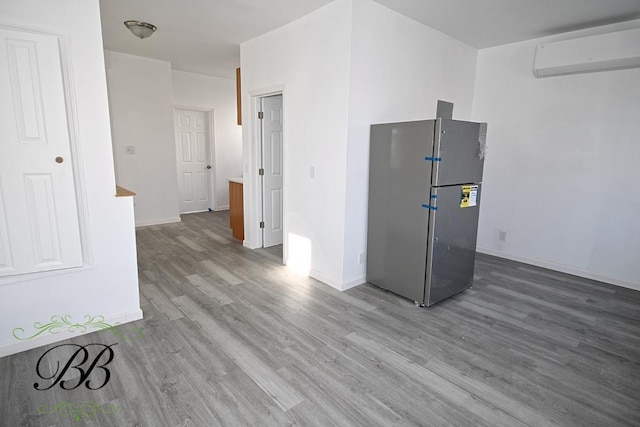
<point>548,136</point>
<point>394,75</point>
<point>107,284</point>
<point>310,59</point>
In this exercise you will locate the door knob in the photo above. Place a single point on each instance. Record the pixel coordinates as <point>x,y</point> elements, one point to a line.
<point>59,159</point>
<point>208,166</point>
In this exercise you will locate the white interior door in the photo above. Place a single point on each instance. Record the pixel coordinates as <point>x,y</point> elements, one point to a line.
<point>39,228</point>
<point>192,154</point>
<point>272,164</point>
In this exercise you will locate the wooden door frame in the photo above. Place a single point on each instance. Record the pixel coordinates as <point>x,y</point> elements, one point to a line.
<point>210,144</point>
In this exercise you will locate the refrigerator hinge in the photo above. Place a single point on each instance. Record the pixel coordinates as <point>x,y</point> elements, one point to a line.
<point>261,171</point>
<point>261,224</point>
<point>260,115</point>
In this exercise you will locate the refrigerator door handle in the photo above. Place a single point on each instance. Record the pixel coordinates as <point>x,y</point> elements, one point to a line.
<point>430,244</point>
<point>437,137</point>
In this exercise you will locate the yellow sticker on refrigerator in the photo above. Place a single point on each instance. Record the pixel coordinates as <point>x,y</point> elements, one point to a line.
<point>469,196</point>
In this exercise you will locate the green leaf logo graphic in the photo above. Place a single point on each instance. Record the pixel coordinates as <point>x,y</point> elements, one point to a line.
<point>63,323</point>
<point>78,412</point>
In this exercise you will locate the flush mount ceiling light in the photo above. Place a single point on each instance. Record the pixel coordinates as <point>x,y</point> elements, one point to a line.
<point>140,29</point>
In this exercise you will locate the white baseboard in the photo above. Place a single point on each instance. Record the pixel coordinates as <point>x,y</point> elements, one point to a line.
<point>158,221</point>
<point>191,212</point>
<point>354,283</point>
<point>17,346</point>
<point>248,244</point>
<point>341,287</point>
<point>324,279</point>
<point>222,208</point>
<point>561,268</point>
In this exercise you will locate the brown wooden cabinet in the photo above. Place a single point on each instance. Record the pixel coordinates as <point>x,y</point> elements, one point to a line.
<point>236,209</point>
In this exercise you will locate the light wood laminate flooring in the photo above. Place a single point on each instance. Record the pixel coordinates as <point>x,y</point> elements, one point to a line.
<point>231,337</point>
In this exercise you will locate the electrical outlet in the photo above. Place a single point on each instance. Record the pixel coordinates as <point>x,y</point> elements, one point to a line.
<point>502,236</point>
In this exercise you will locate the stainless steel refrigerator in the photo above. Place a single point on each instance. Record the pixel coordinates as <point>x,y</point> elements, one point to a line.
<point>425,182</point>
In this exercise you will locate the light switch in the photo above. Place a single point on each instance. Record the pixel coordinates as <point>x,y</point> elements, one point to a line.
<point>130,149</point>
<point>312,171</point>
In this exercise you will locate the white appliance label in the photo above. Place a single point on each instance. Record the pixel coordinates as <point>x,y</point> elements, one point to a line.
<point>473,195</point>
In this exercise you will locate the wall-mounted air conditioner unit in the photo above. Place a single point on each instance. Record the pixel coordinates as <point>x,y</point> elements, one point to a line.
<point>603,52</point>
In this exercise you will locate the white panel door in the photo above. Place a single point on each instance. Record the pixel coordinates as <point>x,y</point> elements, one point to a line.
<point>39,227</point>
<point>272,164</point>
<point>192,154</point>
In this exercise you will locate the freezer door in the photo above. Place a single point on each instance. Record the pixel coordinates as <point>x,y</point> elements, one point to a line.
<point>457,152</point>
<point>399,184</point>
<point>453,231</point>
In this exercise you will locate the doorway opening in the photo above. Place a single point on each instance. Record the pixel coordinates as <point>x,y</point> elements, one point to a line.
<point>270,117</point>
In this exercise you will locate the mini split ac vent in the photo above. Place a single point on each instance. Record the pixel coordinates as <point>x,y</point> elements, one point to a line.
<point>603,52</point>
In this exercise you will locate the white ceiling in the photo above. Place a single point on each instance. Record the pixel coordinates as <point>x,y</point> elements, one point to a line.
<point>201,36</point>
<point>486,23</point>
<point>204,36</point>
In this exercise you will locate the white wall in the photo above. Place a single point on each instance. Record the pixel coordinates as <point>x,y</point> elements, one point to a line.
<point>562,166</point>
<point>399,70</point>
<point>109,286</point>
<point>344,67</point>
<point>309,60</point>
<point>140,101</point>
<point>219,95</point>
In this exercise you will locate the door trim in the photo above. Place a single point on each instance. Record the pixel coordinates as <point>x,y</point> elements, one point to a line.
<point>254,199</point>
<point>79,179</point>
<point>213,203</point>
<point>263,189</point>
